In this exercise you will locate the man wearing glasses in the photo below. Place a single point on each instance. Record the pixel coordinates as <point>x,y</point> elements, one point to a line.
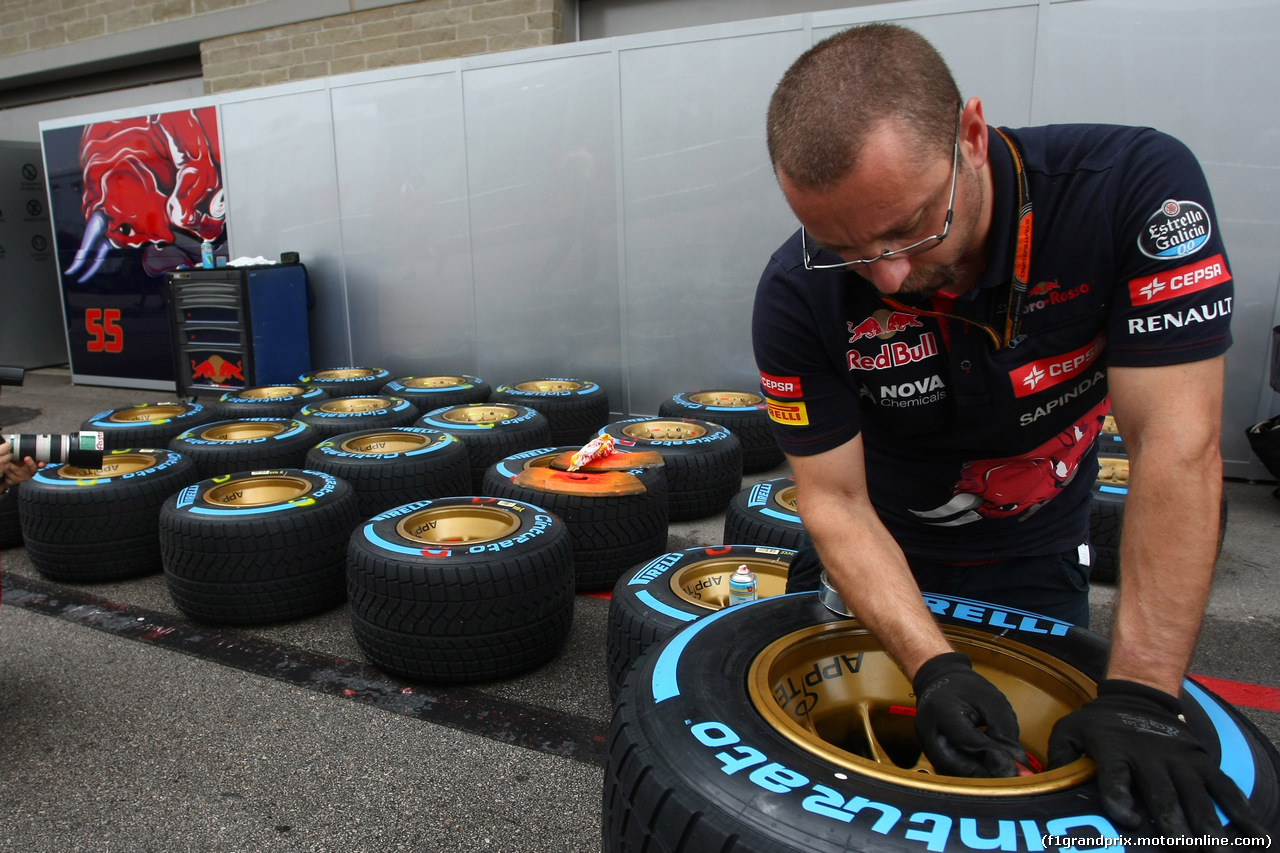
<point>939,344</point>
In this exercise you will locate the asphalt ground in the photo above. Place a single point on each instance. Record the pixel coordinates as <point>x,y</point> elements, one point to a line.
<point>125,726</point>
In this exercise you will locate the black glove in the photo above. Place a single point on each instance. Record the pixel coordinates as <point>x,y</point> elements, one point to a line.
<point>1137,736</point>
<point>952,704</point>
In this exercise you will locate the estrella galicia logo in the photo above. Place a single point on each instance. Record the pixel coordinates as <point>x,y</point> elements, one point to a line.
<point>1176,230</point>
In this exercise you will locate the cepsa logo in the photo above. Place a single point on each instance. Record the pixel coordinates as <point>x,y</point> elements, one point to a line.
<point>1045,373</point>
<point>780,386</point>
<point>1178,282</point>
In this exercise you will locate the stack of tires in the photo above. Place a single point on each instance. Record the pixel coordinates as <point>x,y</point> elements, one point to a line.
<point>745,415</point>
<point>702,461</point>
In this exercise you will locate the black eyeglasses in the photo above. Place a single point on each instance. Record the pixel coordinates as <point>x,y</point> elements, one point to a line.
<point>915,248</point>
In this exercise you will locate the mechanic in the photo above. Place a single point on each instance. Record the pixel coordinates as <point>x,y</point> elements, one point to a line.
<point>11,471</point>
<point>939,344</point>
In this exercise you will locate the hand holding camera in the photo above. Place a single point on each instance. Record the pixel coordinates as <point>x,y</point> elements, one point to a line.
<point>22,454</point>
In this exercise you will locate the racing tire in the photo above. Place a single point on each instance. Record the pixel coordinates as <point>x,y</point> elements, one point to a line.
<point>745,414</point>
<point>779,726</point>
<point>268,401</point>
<point>248,444</point>
<point>766,514</point>
<point>100,524</point>
<point>660,597</point>
<point>10,518</point>
<point>348,381</point>
<point>147,424</point>
<point>428,393</point>
<point>702,460</point>
<point>339,415</point>
<point>257,547</point>
<point>392,467</point>
<point>461,589</point>
<point>616,513</point>
<point>491,432</point>
<point>575,409</point>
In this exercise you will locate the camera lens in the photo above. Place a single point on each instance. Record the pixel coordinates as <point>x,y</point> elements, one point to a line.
<point>79,449</point>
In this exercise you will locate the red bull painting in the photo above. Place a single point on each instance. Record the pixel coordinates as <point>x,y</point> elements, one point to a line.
<point>132,198</point>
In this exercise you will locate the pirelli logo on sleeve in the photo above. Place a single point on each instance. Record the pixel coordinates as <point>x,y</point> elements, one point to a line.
<point>787,414</point>
<point>1179,282</point>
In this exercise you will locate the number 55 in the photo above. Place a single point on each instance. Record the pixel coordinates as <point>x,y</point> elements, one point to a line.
<point>103,326</point>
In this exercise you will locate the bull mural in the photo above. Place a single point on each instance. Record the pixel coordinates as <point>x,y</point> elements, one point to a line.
<point>149,182</point>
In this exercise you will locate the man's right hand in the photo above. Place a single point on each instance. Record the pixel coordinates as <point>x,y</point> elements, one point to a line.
<point>953,706</point>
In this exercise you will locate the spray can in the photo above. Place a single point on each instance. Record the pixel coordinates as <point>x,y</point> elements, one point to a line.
<point>742,586</point>
<point>206,254</point>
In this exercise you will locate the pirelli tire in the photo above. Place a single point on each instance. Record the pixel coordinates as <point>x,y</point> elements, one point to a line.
<point>428,393</point>
<point>658,598</point>
<point>268,401</point>
<point>391,467</point>
<point>766,514</point>
<point>780,726</point>
<point>743,412</point>
<point>461,589</point>
<point>100,524</point>
<point>575,409</point>
<point>616,512</point>
<point>1106,516</point>
<point>491,432</point>
<point>339,415</point>
<point>348,381</point>
<point>10,518</point>
<point>702,460</point>
<point>258,547</point>
<point>245,444</point>
<point>147,424</point>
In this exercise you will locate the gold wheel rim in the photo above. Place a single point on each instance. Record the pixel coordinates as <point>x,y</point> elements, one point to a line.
<point>786,498</point>
<point>344,373</point>
<point>664,430</point>
<point>258,491</point>
<point>833,691</point>
<point>705,583</point>
<point>112,466</point>
<point>726,398</point>
<point>433,382</point>
<point>1109,425</point>
<point>242,430</point>
<point>1113,469</point>
<point>458,525</point>
<point>143,414</point>
<point>385,442</point>
<point>271,392</point>
<point>548,386</point>
<point>354,405</point>
<point>479,414</point>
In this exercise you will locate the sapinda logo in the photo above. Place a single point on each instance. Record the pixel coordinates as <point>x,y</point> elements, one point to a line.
<point>780,386</point>
<point>1177,282</point>
<point>1045,373</point>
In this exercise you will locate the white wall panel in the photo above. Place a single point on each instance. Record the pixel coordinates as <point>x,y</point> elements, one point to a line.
<point>402,184</point>
<point>282,196</point>
<point>1207,78</point>
<point>703,211</point>
<point>541,168</point>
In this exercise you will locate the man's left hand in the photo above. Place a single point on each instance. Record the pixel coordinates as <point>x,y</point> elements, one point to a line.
<point>1146,753</point>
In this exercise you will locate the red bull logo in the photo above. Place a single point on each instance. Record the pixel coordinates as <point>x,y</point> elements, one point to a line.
<point>1043,287</point>
<point>882,324</point>
<point>216,369</point>
<point>895,354</point>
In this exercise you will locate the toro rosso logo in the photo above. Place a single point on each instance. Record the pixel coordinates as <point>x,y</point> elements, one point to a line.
<point>1018,485</point>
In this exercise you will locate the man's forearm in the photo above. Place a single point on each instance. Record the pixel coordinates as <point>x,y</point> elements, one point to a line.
<point>1168,547</point>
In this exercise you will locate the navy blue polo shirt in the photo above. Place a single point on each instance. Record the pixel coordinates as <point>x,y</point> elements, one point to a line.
<point>977,453</point>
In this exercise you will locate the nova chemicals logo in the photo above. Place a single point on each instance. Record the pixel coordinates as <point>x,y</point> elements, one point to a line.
<point>1176,230</point>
